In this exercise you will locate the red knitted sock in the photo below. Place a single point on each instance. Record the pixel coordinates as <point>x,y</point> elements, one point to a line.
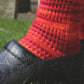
<point>55,31</point>
<point>82,23</point>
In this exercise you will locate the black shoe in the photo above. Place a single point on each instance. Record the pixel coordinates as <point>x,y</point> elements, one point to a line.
<point>64,70</point>
<point>82,44</point>
<point>17,64</point>
<point>67,70</point>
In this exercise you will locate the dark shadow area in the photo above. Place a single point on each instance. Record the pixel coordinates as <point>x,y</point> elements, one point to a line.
<point>24,6</point>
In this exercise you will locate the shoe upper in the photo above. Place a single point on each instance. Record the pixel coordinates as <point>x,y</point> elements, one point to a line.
<point>17,64</point>
<point>82,44</point>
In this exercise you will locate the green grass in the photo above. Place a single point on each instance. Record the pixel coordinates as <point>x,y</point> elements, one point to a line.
<point>13,29</point>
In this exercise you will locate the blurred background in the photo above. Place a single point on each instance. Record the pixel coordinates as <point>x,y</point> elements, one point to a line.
<point>16,18</point>
<point>20,9</point>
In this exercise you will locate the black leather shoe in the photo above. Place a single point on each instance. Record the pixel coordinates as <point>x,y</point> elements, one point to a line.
<point>17,64</point>
<point>64,70</point>
<point>82,44</point>
<point>68,69</point>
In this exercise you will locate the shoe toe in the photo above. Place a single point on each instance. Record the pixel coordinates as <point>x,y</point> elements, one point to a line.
<point>17,64</point>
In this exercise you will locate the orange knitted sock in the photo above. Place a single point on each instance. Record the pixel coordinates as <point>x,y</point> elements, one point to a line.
<point>82,23</point>
<point>55,31</point>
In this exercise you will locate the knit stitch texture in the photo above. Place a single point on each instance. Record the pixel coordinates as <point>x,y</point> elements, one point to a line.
<point>55,31</point>
<point>82,23</point>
